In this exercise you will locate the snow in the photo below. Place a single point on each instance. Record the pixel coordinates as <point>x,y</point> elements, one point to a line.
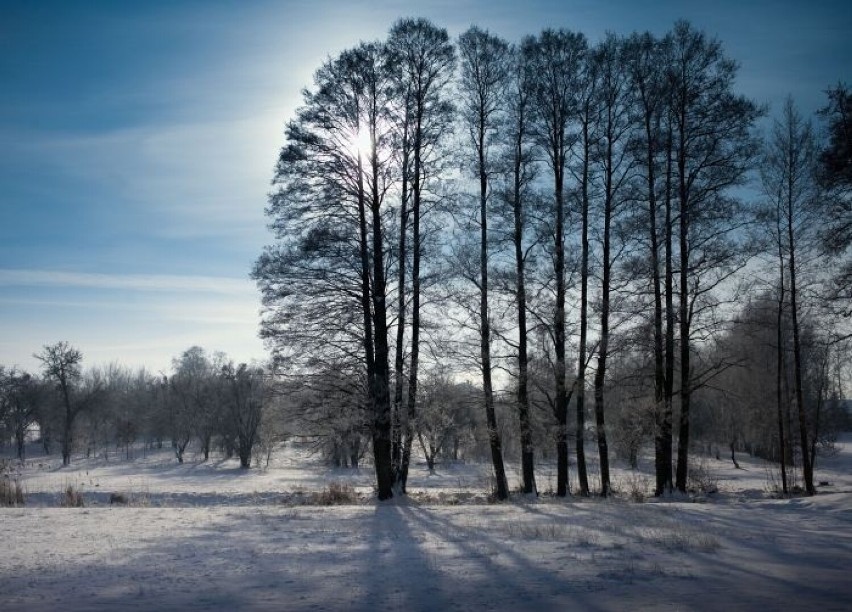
<point>208,536</point>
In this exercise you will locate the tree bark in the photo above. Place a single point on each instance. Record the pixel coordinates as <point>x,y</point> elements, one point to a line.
<point>527,449</point>
<point>399,357</point>
<point>603,348</point>
<point>382,426</point>
<point>502,487</point>
<point>683,311</point>
<point>779,366</point>
<point>807,468</point>
<point>668,411</point>
<point>411,404</point>
<point>582,475</point>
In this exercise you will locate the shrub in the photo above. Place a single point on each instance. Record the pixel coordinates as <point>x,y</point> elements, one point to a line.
<point>11,492</point>
<point>336,494</point>
<point>71,498</point>
<point>701,480</point>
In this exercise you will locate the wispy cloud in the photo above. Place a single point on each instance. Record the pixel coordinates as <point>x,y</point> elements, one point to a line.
<point>125,282</point>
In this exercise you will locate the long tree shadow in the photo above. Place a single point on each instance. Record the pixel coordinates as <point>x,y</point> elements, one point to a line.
<point>439,565</point>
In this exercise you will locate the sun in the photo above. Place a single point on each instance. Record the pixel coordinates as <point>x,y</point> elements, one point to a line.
<point>360,144</point>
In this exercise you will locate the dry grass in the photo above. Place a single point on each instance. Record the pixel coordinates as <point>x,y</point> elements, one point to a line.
<point>71,498</point>
<point>680,538</point>
<point>335,494</point>
<point>700,479</point>
<point>637,487</point>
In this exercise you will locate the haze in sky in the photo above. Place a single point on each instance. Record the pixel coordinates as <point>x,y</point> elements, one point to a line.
<point>139,139</point>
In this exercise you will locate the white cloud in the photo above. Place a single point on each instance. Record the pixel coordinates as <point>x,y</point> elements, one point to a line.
<point>126,282</point>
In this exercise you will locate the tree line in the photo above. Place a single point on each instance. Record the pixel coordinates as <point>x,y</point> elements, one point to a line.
<point>207,399</point>
<point>558,224</point>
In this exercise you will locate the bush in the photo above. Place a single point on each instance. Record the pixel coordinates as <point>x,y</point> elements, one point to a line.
<point>701,480</point>
<point>71,498</point>
<point>636,486</point>
<point>336,494</point>
<point>11,492</point>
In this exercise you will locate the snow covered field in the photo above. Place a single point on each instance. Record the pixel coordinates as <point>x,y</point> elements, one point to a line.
<point>205,535</point>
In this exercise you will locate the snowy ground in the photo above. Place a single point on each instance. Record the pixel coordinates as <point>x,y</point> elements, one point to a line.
<point>209,536</point>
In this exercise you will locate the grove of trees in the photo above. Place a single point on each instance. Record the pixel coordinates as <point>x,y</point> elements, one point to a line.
<point>207,400</point>
<point>551,250</point>
<point>532,223</point>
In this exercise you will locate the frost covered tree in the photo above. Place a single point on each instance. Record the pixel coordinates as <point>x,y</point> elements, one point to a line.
<point>555,58</point>
<point>243,396</point>
<point>20,397</point>
<point>61,364</point>
<point>835,176</point>
<point>713,149</point>
<point>788,175</point>
<point>324,281</point>
<point>422,61</point>
<point>484,60</point>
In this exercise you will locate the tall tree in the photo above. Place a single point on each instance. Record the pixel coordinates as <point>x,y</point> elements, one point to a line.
<point>192,386</point>
<point>835,174</point>
<point>587,114</point>
<point>484,62</point>
<point>644,60</point>
<point>61,364</point>
<point>19,404</point>
<point>616,171</point>
<point>402,148</point>
<point>324,281</point>
<point>713,149</point>
<point>423,61</point>
<point>521,173</point>
<point>789,176</point>
<point>243,397</point>
<point>555,57</point>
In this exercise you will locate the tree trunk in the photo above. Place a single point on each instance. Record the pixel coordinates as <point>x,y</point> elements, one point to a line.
<point>668,412</point>
<point>69,422</point>
<point>381,382</point>
<point>584,318</point>
<point>527,450</point>
<point>779,365</point>
<point>807,468</point>
<point>603,348</point>
<point>399,357</point>
<point>411,405</point>
<point>502,487</point>
<point>562,487</point>
<point>684,315</point>
<point>663,475</point>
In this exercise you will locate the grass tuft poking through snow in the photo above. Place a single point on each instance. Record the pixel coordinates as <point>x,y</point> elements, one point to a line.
<point>335,494</point>
<point>71,497</point>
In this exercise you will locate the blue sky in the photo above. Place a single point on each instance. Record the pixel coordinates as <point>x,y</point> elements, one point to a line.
<point>138,141</point>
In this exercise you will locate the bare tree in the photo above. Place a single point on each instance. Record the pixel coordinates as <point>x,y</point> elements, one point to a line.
<point>555,58</point>
<point>61,364</point>
<point>789,178</point>
<point>244,399</point>
<point>713,149</point>
<point>616,171</point>
<point>19,403</point>
<point>520,175</point>
<point>484,71</point>
<point>835,177</point>
<point>324,280</point>
<point>423,61</point>
<point>644,59</point>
